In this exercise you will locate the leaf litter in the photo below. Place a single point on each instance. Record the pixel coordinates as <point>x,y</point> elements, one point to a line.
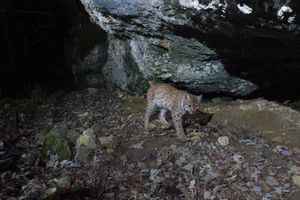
<point>217,162</point>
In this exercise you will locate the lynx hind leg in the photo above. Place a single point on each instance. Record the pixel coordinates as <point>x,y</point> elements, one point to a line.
<point>149,111</point>
<point>162,118</point>
<point>177,120</point>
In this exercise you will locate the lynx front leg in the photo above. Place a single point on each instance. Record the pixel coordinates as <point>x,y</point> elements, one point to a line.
<point>162,118</point>
<point>177,119</point>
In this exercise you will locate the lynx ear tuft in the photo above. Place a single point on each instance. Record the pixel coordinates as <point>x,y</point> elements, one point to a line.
<point>199,98</point>
<point>187,97</point>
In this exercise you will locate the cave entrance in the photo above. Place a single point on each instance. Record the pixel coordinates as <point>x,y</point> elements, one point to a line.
<point>35,44</point>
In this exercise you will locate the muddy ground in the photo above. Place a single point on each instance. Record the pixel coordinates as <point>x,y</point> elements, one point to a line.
<point>219,161</point>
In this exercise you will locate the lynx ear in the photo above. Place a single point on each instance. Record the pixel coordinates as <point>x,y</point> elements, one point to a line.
<point>199,98</point>
<point>187,97</point>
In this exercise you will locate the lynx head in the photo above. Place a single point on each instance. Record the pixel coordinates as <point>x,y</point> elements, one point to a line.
<point>191,103</point>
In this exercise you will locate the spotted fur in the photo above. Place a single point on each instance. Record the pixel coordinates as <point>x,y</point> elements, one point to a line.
<point>167,98</point>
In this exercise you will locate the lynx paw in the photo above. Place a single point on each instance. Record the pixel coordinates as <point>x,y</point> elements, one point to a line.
<point>166,126</point>
<point>149,127</point>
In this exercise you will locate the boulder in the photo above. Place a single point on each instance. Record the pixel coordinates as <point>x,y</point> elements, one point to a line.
<point>85,145</point>
<point>55,142</point>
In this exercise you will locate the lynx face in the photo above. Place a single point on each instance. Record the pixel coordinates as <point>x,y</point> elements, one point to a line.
<point>192,103</point>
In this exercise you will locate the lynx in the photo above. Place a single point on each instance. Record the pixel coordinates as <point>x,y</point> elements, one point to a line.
<point>167,98</point>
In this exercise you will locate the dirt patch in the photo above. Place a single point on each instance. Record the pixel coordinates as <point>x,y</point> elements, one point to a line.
<point>276,122</point>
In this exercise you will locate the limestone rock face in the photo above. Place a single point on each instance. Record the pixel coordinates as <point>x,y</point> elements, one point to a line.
<point>207,46</point>
<point>86,53</point>
<point>88,71</point>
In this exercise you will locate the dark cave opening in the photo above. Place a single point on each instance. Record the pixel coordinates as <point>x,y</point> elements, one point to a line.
<point>35,45</point>
<point>270,61</point>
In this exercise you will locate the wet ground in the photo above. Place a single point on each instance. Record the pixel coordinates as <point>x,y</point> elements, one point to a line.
<point>217,162</point>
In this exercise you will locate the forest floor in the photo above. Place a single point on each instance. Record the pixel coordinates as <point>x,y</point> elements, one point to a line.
<point>120,161</point>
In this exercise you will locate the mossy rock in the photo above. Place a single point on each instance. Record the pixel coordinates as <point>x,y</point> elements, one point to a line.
<point>56,142</point>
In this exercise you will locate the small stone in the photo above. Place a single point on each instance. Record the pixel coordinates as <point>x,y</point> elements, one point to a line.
<point>257,189</point>
<point>296,180</point>
<point>182,160</point>
<point>283,150</point>
<point>286,153</point>
<point>87,138</point>
<point>277,139</point>
<point>296,150</point>
<point>207,195</point>
<point>109,142</point>
<point>110,195</point>
<point>154,176</point>
<point>137,145</point>
<point>12,198</point>
<point>249,183</point>
<point>267,197</point>
<point>295,170</point>
<point>280,190</point>
<point>271,181</point>
<point>216,100</point>
<point>141,165</point>
<point>131,166</point>
<point>63,182</point>
<point>192,184</point>
<point>92,91</point>
<point>223,141</point>
<point>247,142</point>
<point>238,158</point>
<point>85,144</point>
<point>121,95</point>
<point>49,193</point>
<point>196,136</point>
<point>272,170</point>
<point>144,172</point>
<point>83,116</point>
